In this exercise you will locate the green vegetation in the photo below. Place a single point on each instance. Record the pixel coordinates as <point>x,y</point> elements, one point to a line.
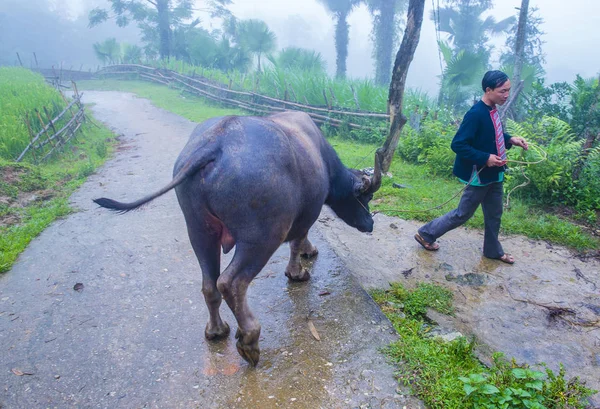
<point>448,375</point>
<point>23,92</point>
<point>188,106</point>
<point>32,196</point>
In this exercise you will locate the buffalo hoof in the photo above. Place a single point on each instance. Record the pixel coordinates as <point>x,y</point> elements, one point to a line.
<point>300,274</point>
<point>249,352</point>
<point>216,332</point>
<point>309,252</point>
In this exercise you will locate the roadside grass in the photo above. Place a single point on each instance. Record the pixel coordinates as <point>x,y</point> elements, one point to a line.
<point>448,375</point>
<point>33,196</point>
<point>422,190</point>
<point>171,99</point>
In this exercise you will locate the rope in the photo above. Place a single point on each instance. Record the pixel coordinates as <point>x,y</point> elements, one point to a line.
<point>541,152</point>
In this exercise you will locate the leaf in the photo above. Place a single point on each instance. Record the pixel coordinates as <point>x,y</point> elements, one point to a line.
<point>519,373</point>
<point>537,385</point>
<point>313,330</point>
<point>18,372</point>
<point>469,389</point>
<point>489,389</point>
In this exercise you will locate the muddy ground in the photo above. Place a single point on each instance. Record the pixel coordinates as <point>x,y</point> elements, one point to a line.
<point>132,335</point>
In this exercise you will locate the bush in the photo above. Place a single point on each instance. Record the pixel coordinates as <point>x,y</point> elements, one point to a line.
<point>552,181</point>
<point>430,146</point>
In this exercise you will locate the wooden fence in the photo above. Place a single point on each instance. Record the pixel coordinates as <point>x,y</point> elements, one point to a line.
<point>45,142</point>
<point>249,101</point>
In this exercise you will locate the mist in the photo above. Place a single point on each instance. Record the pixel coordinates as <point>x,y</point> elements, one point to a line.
<point>58,32</point>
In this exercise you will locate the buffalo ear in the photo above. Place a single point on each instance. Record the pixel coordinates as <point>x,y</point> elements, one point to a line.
<point>362,185</point>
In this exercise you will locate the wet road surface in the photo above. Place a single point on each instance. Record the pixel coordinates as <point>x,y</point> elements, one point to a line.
<point>106,310</point>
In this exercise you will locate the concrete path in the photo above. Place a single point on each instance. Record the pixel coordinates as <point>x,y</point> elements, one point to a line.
<point>106,310</point>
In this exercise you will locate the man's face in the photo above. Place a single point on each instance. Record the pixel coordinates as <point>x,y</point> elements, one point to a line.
<point>499,95</point>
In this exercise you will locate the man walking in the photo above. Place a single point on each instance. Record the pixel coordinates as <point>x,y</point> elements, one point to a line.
<point>480,146</point>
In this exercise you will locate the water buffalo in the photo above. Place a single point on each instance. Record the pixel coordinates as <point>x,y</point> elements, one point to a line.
<point>254,183</point>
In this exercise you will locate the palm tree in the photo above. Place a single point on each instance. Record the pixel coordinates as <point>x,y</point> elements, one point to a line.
<point>386,22</point>
<point>461,76</point>
<point>467,30</point>
<point>132,54</point>
<point>255,35</point>
<point>340,10</point>
<point>108,51</point>
<point>299,58</point>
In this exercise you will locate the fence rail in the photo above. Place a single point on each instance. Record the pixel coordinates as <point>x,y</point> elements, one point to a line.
<point>45,142</point>
<point>249,101</point>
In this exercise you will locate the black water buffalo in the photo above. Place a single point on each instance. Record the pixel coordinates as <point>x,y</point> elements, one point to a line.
<point>254,183</point>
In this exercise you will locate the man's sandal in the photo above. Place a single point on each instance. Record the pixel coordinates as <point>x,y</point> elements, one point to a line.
<point>427,246</point>
<point>507,258</point>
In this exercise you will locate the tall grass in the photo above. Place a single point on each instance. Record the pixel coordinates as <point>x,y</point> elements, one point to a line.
<point>308,87</point>
<point>22,92</point>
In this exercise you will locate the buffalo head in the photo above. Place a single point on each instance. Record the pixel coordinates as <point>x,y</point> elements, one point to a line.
<point>353,207</point>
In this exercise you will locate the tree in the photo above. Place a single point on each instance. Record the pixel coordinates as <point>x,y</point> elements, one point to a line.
<point>410,40</point>
<point>156,18</point>
<point>532,53</point>
<point>108,51</point>
<point>299,58</point>
<point>386,22</point>
<point>131,54</point>
<point>340,9</point>
<point>462,20</point>
<point>466,55</point>
<point>461,77</point>
<point>254,35</point>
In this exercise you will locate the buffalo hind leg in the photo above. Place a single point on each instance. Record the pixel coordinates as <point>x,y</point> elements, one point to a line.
<point>233,284</point>
<point>208,252</point>
<point>299,247</point>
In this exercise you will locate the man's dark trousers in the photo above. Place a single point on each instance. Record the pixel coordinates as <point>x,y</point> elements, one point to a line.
<point>490,198</point>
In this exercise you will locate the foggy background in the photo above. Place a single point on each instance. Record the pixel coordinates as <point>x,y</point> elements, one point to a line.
<point>52,27</point>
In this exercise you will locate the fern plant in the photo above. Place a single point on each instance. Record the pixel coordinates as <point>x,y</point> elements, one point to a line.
<point>551,180</point>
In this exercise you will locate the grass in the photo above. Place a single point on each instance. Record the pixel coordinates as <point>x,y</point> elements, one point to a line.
<point>186,105</point>
<point>422,192</point>
<point>52,183</point>
<point>448,375</point>
<point>22,92</point>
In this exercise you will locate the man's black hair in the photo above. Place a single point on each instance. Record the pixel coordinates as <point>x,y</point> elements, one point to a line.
<point>493,79</point>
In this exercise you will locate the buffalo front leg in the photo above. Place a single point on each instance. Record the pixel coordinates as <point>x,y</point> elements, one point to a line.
<point>208,252</point>
<point>299,247</point>
<point>233,284</point>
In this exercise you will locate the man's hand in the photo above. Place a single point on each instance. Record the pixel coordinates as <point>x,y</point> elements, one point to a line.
<point>495,160</point>
<point>518,141</point>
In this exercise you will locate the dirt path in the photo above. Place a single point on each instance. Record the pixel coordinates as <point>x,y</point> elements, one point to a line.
<point>509,308</point>
<point>133,335</point>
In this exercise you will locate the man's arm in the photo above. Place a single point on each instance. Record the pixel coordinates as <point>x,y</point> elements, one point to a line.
<point>462,144</point>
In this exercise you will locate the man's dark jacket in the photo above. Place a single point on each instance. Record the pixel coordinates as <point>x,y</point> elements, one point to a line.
<point>473,144</point>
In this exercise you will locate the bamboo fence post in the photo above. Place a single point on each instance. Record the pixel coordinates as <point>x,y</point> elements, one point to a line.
<point>31,138</point>
<point>43,126</point>
<point>293,92</point>
<point>19,57</point>
<point>326,101</point>
<point>355,97</point>
<point>333,98</point>
<point>36,61</point>
<point>70,108</point>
